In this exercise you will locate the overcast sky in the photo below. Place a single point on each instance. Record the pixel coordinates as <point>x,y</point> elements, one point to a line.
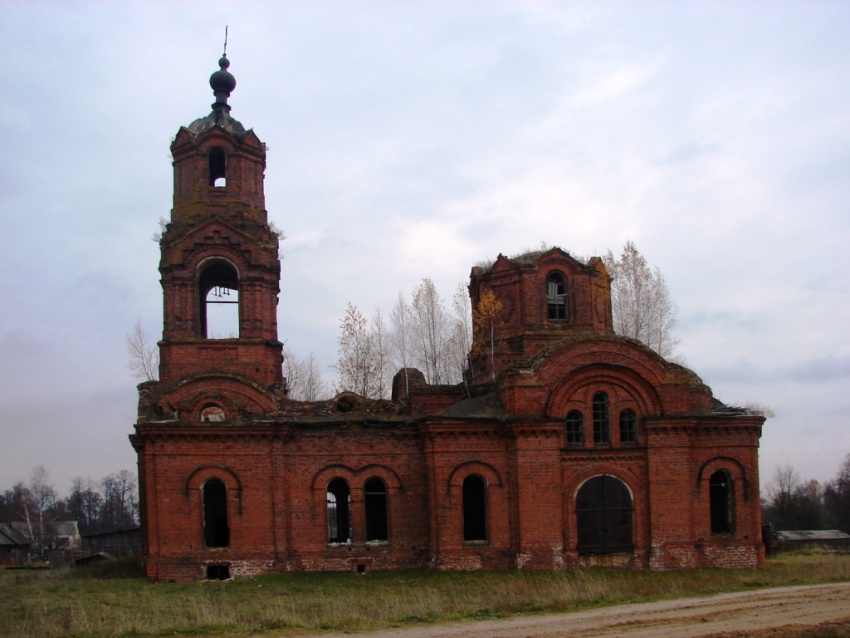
<point>412,139</point>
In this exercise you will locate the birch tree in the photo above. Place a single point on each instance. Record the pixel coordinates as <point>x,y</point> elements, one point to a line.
<point>381,354</point>
<point>430,330</point>
<point>641,303</point>
<point>304,379</point>
<point>460,342</point>
<point>356,364</point>
<point>400,340</point>
<point>142,354</point>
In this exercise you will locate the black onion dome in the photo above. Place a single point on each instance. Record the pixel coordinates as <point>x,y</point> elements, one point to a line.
<point>222,81</point>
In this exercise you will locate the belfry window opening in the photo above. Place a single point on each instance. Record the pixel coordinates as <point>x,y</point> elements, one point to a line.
<point>218,168</point>
<point>219,303</point>
<point>556,297</point>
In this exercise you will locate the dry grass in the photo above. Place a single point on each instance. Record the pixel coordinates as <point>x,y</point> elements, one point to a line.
<point>114,600</point>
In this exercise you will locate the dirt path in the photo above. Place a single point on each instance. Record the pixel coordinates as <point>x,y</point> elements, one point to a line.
<point>745,612</point>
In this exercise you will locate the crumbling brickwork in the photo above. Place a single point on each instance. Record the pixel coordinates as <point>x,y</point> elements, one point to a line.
<point>568,446</point>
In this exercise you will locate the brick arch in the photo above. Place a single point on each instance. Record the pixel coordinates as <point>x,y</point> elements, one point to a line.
<point>202,474</point>
<point>736,469</point>
<point>639,389</point>
<point>329,472</point>
<point>570,494</point>
<point>463,470</point>
<point>234,393</point>
<point>387,475</point>
<point>211,258</point>
<point>232,253</point>
<point>570,504</point>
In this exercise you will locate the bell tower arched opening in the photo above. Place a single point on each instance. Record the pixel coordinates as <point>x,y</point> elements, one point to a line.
<point>218,288</point>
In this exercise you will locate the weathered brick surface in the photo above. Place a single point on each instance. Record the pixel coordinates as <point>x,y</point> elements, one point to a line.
<point>276,459</point>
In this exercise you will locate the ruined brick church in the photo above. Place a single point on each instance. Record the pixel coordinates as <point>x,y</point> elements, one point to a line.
<point>570,446</point>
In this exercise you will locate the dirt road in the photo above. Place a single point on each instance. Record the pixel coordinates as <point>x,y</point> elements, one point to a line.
<point>738,614</point>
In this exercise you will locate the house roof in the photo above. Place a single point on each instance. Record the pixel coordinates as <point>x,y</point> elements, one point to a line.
<point>11,536</point>
<point>813,535</point>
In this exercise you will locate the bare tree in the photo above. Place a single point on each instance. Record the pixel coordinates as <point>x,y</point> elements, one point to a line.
<point>293,371</point>
<point>142,354</point>
<point>837,497</point>
<point>304,381</point>
<point>792,503</point>
<point>640,301</point>
<point>85,502</point>
<point>23,505</point>
<point>314,387</point>
<point>381,353</point>
<point>400,322</point>
<point>41,501</point>
<point>356,364</point>
<point>430,330</point>
<point>120,500</point>
<point>460,342</point>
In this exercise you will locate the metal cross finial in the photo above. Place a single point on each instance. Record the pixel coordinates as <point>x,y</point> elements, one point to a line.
<point>225,42</point>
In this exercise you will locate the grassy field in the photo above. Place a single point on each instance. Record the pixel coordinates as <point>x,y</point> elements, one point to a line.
<point>113,600</point>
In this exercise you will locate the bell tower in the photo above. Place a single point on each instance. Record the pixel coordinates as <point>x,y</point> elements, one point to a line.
<point>220,358</point>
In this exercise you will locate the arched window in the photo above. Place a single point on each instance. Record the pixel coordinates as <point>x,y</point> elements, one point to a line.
<point>375,504</point>
<point>212,413</point>
<point>556,297</point>
<point>474,509</point>
<point>628,426</point>
<point>720,495</point>
<point>575,427</point>
<point>216,529</point>
<point>339,511</point>
<point>601,418</point>
<point>604,516</point>
<point>218,167</point>
<point>218,286</point>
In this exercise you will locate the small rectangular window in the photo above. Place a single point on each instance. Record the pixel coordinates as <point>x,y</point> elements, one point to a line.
<point>575,428</point>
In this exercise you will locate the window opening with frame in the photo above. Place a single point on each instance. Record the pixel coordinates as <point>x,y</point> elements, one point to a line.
<point>556,297</point>
<point>601,418</point>
<point>575,427</point>
<point>216,529</point>
<point>218,286</point>
<point>721,499</point>
<point>375,504</point>
<point>339,511</point>
<point>604,516</point>
<point>218,168</point>
<point>474,508</point>
<point>628,426</point>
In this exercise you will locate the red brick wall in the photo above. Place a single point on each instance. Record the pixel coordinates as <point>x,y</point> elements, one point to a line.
<point>276,470</point>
